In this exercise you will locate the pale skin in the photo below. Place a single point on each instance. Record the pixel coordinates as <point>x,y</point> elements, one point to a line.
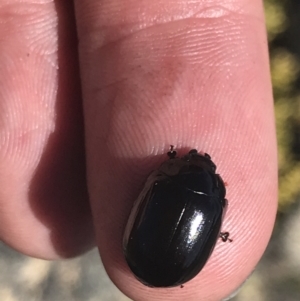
<point>152,73</point>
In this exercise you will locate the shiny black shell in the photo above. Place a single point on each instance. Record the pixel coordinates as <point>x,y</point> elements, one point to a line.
<point>175,221</point>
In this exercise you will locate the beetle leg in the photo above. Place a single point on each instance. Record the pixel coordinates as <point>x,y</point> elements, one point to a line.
<point>207,155</point>
<point>225,203</point>
<point>225,236</point>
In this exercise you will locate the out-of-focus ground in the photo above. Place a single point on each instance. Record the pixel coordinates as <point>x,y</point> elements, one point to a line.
<point>28,279</point>
<point>276,278</point>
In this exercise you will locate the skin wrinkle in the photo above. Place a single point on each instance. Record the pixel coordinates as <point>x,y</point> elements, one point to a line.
<point>184,79</point>
<point>148,77</point>
<point>106,36</point>
<point>125,40</point>
<point>164,91</point>
<point>111,32</point>
<point>161,12</point>
<point>183,82</point>
<point>42,151</point>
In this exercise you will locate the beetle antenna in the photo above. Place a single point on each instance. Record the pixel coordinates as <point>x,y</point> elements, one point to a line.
<point>172,153</point>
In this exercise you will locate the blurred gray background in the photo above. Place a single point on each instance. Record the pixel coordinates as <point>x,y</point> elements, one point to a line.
<point>28,279</point>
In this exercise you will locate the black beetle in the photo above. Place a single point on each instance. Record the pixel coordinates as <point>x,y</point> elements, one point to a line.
<point>175,221</point>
